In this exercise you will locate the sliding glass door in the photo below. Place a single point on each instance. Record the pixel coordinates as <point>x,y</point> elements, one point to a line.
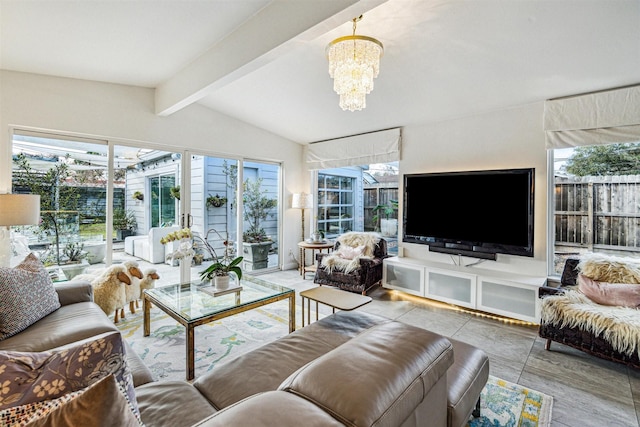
<point>112,202</point>
<point>162,205</point>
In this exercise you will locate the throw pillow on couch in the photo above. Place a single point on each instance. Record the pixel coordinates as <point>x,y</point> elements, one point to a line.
<point>43,376</point>
<point>26,296</point>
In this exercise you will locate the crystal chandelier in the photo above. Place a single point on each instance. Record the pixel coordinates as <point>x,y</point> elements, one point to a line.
<point>354,62</point>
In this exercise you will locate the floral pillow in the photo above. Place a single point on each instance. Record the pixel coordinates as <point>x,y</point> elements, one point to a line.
<point>26,296</point>
<point>33,377</point>
<point>101,404</point>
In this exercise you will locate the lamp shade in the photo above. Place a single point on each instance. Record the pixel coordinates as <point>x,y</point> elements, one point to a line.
<point>19,209</point>
<point>301,201</point>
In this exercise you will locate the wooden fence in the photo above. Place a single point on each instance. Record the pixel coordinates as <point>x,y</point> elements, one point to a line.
<point>600,213</point>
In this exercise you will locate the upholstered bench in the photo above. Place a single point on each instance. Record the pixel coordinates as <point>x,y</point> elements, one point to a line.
<point>465,380</point>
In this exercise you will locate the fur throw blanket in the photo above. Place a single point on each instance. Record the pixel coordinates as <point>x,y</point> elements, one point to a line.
<point>619,326</point>
<point>354,246</point>
<point>610,269</point>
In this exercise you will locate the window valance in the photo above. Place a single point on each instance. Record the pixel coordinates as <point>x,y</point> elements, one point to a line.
<point>605,117</point>
<point>375,147</point>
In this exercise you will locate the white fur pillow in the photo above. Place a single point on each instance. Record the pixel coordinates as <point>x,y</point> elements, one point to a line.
<point>610,269</point>
<point>347,252</point>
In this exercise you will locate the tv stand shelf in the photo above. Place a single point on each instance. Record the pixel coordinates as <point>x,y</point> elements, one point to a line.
<point>506,294</point>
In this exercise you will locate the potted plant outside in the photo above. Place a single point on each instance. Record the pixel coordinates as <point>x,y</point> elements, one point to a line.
<point>73,261</point>
<point>388,227</point>
<point>257,208</point>
<point>216,201</point>
<point>124,222</point>
<point>137,195</point>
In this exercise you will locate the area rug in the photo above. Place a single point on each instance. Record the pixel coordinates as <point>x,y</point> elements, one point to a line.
<point>505,404</point>
<point>164,353</point>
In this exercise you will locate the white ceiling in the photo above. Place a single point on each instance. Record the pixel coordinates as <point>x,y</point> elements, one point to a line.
<point>263,61</point>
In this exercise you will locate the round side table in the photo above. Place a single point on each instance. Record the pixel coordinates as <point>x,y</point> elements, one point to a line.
<point>304,268</point>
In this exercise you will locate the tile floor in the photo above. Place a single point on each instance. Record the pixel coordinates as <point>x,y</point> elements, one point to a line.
<point>587,391</point>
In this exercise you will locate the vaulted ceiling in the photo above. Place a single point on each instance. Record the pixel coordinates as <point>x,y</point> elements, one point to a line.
<point>264,63</point>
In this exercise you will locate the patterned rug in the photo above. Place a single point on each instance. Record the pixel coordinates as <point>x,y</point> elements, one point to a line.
<point>505,404</point>
<point>164,350</point>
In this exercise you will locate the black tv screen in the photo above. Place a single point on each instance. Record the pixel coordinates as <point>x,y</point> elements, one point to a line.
<point>474,213</point>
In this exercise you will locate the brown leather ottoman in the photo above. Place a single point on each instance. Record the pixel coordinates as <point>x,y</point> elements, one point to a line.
<point>465,380</point>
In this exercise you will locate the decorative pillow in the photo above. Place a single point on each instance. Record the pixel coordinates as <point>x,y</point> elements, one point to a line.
<point>33,377</point>
<point>348,252</point>
<point>619,294</point>
<point>101,404</point>
<point>611,269</point>
<point>26,296</point>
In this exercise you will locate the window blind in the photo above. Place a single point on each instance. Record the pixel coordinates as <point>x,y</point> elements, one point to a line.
<point>375,147</point>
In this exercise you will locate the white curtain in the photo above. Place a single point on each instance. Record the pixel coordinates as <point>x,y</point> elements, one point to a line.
<point>375,147</point>
<point>606,117</point>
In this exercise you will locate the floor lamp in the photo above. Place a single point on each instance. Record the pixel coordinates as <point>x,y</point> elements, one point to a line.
<point>15,209</point>
<point>302,201</point>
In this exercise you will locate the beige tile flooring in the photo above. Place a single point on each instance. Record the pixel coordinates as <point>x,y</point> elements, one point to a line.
<point>587,391</point>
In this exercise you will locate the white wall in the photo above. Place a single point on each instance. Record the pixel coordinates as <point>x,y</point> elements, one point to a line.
<point>499,140</point>
<point>125,114</point>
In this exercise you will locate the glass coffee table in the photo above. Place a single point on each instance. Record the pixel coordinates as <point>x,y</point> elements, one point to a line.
<point>194,304</point>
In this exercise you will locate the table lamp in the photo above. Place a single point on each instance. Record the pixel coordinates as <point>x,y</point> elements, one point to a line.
<point>302,201</point>
<point>15,209</point>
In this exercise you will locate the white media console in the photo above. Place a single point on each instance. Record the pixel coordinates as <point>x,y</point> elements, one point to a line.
<point>497,292</point>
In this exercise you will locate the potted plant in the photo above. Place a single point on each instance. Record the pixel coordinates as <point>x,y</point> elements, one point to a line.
<point>317,236</point>
<point>216,201</point>
<point>73,264</point>
<point>137,195</point>
<point>387,226</point>
<point>124,222</point>
<point>257,208</point>
<point>175,192</point>
<point>219,270</point>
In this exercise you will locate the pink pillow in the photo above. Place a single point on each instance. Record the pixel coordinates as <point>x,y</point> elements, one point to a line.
<point>620,294</point>
<point>347,252</point>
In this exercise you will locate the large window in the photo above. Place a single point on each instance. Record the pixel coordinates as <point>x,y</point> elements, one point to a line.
<point>335,204</point>
<point>69,175</point>
<point>596,204</point>
<point>359,198</point>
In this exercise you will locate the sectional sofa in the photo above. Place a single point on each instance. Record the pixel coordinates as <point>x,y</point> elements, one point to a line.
<point>350,369</point>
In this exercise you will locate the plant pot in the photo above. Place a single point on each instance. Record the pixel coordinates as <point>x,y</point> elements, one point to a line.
<point>95,251</point>
<point>221,282</point>
<point>317,237</point>
<point>389,227</point>
<point>121,234</point>
<point>256,255</point>
<point>72,270</point>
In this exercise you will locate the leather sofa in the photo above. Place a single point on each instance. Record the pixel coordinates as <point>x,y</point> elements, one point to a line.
<point>77,320</point>
<point>350,368</point>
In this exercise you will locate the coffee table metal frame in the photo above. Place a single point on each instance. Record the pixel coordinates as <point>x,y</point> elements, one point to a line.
<point>334,298</point>
<point>159,296</point>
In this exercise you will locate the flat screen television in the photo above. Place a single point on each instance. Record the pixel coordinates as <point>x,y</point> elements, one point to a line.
<point>473,213</point>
